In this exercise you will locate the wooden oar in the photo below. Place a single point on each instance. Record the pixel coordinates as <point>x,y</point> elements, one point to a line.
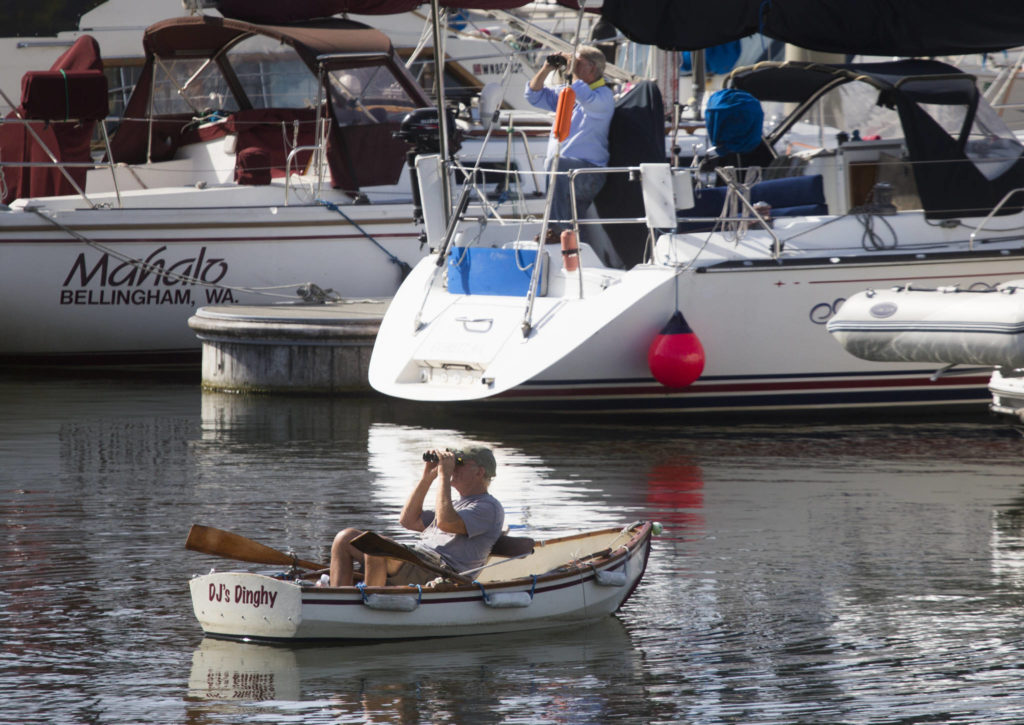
<point>376,545</point>
<point>217,542</point>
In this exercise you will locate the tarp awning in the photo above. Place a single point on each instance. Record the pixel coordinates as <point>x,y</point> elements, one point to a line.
<point>868,27</point>
<point>922,81</point>
<point>275,11</point>
<point>203,36</point>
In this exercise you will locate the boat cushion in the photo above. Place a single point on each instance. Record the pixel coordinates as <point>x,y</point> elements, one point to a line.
<point>512,545</point>
<point>791,196</point>
<point>493,271</point>
<point>62,95</point>
<point>252,166</point>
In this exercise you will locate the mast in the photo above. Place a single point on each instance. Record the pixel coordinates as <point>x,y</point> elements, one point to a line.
<point>442,115</point>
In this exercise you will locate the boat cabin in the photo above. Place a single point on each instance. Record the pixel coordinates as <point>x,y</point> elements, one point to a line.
<point>227,100</point>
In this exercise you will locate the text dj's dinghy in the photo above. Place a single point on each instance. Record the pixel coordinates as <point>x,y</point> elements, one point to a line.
<point>560,582</point>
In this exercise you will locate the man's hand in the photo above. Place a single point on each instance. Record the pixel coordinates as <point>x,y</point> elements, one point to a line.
<point>446,461</point>
<point>430,467</point>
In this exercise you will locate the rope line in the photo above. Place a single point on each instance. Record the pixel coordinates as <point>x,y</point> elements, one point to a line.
<point>403,266</point>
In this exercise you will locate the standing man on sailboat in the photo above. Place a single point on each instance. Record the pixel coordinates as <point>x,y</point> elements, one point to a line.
<point>587,144</point>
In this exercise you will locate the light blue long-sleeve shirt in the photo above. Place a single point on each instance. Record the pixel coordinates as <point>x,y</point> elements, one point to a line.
<point>591,118</point>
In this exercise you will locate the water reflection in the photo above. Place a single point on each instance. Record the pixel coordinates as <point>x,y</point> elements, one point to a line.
<point>853,571</point>
<point>467,679</point>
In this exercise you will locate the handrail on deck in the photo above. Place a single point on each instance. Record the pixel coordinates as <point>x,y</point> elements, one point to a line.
<point>995,210</point>
<point>726,174</point>
<point>288,166</point>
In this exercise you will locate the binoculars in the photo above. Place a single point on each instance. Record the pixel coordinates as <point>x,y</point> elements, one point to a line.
<point>432,457</point>
<point>557,61</point>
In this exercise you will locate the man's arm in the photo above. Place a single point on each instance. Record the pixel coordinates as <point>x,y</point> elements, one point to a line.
<point>537,82</point>
<point>412,512</point>
<point>446,517</point>
<point>539,95</point>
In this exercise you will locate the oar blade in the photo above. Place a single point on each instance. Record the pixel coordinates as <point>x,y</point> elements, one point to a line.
<point>217,542</point>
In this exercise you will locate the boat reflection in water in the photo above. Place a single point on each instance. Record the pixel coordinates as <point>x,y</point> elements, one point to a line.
<point>417,683</point>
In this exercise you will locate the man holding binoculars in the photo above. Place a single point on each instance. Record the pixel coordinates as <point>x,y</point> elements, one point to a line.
<point>456,534</point>
<point>587,144</point>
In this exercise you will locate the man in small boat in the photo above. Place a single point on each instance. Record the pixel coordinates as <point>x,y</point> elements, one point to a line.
<point>587,144</point>
<point>456,534</point>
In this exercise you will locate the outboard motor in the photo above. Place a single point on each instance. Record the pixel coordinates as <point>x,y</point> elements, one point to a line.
<point>421,129</point>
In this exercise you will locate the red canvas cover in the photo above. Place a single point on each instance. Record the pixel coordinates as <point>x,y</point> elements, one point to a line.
<point>60,95</point>
<point>69,142</point>
<point>267,129</point>
<point>275,11</point>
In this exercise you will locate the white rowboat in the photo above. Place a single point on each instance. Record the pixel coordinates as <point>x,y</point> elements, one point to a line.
<point>564,581</point>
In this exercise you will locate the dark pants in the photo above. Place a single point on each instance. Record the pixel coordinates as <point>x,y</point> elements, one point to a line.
<point>586,186</point>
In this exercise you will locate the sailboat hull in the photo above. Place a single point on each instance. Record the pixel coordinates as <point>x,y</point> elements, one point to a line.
<point>762,327</point>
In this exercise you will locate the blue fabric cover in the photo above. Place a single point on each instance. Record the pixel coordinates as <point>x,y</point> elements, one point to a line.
<point>489,271</point>
<point>734,121</point>
<point>792,196</point>
<point>720,59</point>
<point>790,193</point>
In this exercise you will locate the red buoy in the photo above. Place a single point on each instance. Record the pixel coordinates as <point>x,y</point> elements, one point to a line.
<point>676,357</point>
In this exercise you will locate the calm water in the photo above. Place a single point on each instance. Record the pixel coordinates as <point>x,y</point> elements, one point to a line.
<point>847,573</point>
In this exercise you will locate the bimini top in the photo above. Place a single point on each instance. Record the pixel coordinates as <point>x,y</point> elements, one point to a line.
<point>205,37</point>
<point>923,81</point>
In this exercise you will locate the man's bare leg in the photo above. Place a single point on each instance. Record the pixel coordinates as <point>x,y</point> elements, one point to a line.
<point>342,556</point>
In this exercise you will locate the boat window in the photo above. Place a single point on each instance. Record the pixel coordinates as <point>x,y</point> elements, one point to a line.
<point>121,80</point>
<point>272,74</point>
<point>851,109</point>
<point>991,145</point>
<point>368,95</point>
<point>455,89</point>
<point>190,85</point>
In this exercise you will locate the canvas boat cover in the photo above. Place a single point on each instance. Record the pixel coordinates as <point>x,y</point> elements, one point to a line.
<point>950,180</point>
<point>81,94</point>
<point>867,27</point>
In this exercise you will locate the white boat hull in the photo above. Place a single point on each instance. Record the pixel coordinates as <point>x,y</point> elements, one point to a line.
<point>63,297</point>
<point>761,324</point>
<point>242,605</point>
<point>1007,389</point>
